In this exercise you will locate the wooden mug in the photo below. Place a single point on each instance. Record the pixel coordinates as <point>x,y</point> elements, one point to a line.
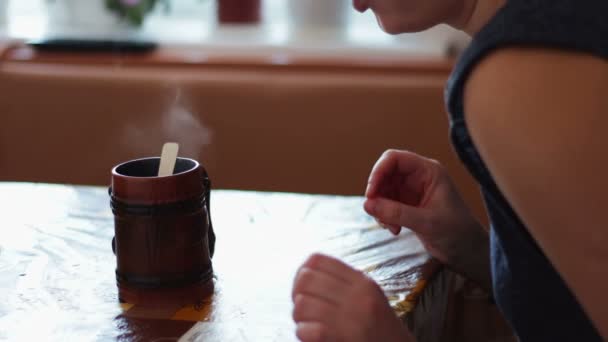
<point>164,238</point>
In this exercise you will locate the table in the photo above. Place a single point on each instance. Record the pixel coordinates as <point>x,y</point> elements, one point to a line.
<point>57,268</point>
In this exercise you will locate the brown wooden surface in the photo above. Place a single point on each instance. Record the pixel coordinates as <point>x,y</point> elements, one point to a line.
<point>332,114</point>
<point>205,57</point>
<point>333,121</point>
<point>57,268</point>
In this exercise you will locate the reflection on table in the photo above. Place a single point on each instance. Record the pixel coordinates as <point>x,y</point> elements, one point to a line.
<point>57,277</point>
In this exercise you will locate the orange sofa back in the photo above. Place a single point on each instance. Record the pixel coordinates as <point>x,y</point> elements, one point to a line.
<point>313,128</point>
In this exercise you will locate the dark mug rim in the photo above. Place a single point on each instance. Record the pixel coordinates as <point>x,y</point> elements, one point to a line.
<point>151,190</point>
<point>192,167</point>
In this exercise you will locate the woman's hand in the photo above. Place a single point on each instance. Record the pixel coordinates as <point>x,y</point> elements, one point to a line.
<point>333,302</point>
<point>407,190</point>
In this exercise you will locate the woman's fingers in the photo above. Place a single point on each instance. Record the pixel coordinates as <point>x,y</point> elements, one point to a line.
<point>319,291</point>
<point>313,332</point>
<point>390,227</point>
<point>312,309</point>
<point>360,311</point>
<point>320,284</point>
<point>396,214</point>
<point>382,170</point>
<point>331,266</point>
<point>391,161</point>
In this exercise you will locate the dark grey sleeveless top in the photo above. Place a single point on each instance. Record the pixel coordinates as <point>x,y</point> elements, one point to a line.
<point>530,293</point>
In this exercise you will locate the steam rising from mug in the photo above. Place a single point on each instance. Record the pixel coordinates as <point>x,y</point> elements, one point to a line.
<point>178,123</point>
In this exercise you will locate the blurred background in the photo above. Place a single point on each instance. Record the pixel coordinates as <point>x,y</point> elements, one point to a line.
<point>269,95</point>
<point>273,95</point>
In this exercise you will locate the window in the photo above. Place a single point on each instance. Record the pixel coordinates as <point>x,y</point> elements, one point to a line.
<point>194,22</point>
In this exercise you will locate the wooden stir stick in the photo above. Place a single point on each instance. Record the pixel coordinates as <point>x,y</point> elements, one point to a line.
<point>168,159</point>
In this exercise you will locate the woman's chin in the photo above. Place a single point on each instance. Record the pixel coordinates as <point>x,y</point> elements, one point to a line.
<point>395,26</point>
<point>361,5</point>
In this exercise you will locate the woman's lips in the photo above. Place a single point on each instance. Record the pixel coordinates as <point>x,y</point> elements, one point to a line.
<point>361,5</point>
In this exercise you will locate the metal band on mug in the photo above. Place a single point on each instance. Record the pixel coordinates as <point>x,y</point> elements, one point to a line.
<point>176,281</point>
<point>167,209</point>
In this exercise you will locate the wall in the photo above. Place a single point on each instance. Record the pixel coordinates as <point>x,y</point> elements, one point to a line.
<point>314,128</point>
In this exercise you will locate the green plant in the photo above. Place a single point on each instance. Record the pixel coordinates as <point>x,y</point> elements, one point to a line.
<point>134,11</point>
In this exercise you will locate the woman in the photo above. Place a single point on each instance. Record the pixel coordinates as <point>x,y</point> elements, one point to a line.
<point>528,103</point>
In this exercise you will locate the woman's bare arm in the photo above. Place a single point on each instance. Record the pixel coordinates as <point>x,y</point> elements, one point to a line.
<point>540,121</point>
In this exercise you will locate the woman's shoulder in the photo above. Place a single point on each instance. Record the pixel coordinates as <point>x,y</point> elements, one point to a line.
<point>538,119</point>
<point>558,32</point>
<point>575,24</point>
<point>532,81</point>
